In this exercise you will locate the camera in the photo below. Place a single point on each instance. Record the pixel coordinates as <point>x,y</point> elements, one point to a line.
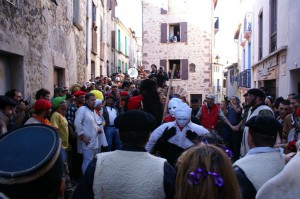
<point>26,102</point>
<point>227,99</point>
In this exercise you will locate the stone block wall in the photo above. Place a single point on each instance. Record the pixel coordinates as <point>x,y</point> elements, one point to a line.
<point>43,34</point>
<point>197,49</point>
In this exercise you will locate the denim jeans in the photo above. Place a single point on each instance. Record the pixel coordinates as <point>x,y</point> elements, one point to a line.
<point>112,137</point>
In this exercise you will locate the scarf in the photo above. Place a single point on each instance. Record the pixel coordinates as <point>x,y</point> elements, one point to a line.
<point>42,120</point>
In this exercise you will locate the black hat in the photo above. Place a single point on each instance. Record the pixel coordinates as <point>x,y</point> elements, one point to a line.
<point>6,101</point>
<point>263,125</point>
<point>135,120</point>
<point>31,163</point>
<point>256,92</point>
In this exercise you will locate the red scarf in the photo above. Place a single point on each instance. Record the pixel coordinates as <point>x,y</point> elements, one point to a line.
<point>180,128</point>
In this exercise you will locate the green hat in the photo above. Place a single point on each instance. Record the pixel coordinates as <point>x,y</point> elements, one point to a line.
<point>57,101</point>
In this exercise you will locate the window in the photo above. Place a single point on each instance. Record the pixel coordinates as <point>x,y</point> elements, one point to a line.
<point>192,67</point>
<point>58,77</point>
<point>249,55</point>
<point>260,36</point>
<point>181,70</point>
<point>12,72</point>
<point>216,25</point>
<point>177,72</point>
<point>126,46</point>
<point>273,25</point>
<point>126,68</point>
<point>119,40</point>
<point>174,32</point>
<point>244,59</point>
<point>119,66</point>
<point>94,30</point>
<point>92,69</point>
<point>76,14</point>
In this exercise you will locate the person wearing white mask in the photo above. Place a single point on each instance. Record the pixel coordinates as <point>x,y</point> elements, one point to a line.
<point>172,105</point>
<point>172,138</point>
<point>100,122</point>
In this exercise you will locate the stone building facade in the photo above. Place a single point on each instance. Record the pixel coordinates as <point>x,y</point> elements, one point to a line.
<point>192,54</point>
<point>50,43</point>
<point>40,46</point>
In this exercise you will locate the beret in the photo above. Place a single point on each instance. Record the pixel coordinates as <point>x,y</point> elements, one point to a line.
<point>31,161</point>
<point>42,104</point>
<point>135,120</point>
<point>124,93</point>
<point>256,92</point>
<point>78,93</point>
<point>263,125</point>
<point>57,101</point>
<point>7,101</point>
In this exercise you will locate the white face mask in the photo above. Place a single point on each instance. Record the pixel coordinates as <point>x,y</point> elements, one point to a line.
<point>182,120</point>
<point>172,107</point>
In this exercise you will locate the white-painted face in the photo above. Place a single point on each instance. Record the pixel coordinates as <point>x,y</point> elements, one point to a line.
<point>172,105</point>
<point>182,118</point>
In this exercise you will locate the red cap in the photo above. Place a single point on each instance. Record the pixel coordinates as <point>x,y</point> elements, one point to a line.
<point>78,93</point>
<point>124,93</point>
<point>42,104</point>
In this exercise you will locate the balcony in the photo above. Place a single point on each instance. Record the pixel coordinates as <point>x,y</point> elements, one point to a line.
<point>244,78</point>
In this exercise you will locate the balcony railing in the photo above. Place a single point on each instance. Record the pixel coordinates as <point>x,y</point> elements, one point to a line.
<point>244,78</point>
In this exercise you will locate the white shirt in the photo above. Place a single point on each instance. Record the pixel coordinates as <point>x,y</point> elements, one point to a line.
<point>85,123</point>
<point>180,138</point>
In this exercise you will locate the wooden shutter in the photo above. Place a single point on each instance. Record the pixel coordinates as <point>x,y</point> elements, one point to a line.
<point>94,41</point>
<point>108,5</point>
<point>183,32</point>
<point>163,31</point>
<point>113,8</point>
<point>163,63</point>
<point>163,11</point>
<point>184,64</point>
<point>113,39</point>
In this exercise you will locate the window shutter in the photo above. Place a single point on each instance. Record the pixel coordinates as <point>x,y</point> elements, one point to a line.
<point>184,63</point>
<point>113,39</point>
<point>164,29</point>
<point>108,5</point>
<point>163,63</point>
<point>183,31</point>
<point>113,8</point>
<point>163,11</point>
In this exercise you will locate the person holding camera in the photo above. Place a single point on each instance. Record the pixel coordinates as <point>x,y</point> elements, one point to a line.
<point>159,76</point>
<point>233,113</point>
<point>22,112</point>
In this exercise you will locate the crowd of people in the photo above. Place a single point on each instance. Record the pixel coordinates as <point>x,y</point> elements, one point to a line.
<point>117,141</point>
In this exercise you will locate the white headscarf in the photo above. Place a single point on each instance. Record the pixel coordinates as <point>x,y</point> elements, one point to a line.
<point>183,114</point>
<point>98,102</point>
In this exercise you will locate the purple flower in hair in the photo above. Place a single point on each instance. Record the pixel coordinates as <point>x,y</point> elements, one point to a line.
<point>195,177</point>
